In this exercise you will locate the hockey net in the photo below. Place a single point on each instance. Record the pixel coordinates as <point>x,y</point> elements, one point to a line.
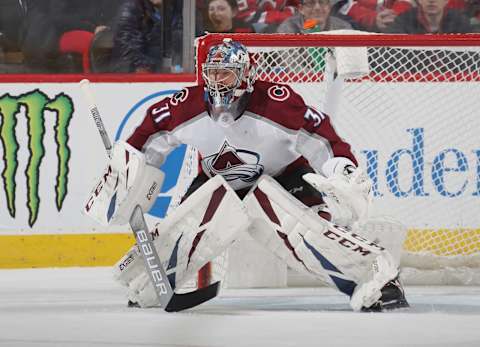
<point>410,107</point>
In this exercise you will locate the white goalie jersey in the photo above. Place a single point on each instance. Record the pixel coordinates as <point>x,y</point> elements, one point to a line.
<point>276,129</point>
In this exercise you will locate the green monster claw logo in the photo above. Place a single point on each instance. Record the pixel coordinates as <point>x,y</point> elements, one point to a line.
<point>35,103</point>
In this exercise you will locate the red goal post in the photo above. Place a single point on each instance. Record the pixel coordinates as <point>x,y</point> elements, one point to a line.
<point>410,107</point>
<point>329,40</point>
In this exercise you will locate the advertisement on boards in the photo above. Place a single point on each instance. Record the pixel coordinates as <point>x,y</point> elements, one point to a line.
<point>51,152</point>
<point>424,167</point>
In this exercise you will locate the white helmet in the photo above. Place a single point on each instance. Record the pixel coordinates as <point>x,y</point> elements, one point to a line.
<point>227,73</point>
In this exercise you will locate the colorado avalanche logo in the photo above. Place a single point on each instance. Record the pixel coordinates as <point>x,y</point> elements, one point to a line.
<point>278,93</point>
<point>233,164</point>
<point>179,97</point>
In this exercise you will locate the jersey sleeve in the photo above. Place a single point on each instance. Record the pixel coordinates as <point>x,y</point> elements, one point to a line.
<point>318,140</point>
<point>315,137</point>
<point>156,135</point>
<point>153,136</point>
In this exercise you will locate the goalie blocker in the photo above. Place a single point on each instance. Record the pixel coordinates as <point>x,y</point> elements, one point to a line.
<point>128,181</point>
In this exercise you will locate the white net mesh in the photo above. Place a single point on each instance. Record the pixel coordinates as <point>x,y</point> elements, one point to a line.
<point>412,119</point>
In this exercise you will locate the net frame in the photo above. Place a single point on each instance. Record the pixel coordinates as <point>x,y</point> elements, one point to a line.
<point>338,40</point>
<point>429,262</point>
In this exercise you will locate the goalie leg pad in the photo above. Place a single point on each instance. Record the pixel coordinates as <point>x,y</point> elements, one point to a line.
<point>344,260</point>
<point>385,231</point>
<point>199,230</point>
<point>129,266</point>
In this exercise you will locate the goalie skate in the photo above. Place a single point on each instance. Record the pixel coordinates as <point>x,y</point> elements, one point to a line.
<point>393,297</point>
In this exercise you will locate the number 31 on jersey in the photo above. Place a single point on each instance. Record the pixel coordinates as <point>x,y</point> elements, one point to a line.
<point>315,116</point>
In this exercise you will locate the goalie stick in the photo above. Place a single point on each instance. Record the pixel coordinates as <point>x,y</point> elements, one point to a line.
<point>169,300</point>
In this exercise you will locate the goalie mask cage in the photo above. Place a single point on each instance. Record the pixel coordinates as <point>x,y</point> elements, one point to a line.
<point>410,107</point>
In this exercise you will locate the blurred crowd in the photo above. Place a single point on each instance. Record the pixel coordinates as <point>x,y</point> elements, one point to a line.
<point>144,36</point>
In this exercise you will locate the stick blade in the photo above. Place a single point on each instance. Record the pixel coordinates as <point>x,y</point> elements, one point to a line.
<point>180,302</point>
<point>169,300</point>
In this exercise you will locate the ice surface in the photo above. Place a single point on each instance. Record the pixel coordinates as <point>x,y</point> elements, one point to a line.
<point>84,307</point>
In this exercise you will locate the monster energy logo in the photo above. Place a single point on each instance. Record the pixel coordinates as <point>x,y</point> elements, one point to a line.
<point>35,104</point>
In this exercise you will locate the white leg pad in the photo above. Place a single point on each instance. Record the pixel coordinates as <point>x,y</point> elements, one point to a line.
<point>197,231</point>
<point>344,260</point>
<point>385,231</point>
<point>129,266</point>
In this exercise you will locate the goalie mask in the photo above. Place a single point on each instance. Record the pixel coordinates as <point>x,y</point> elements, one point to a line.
<point>228,75</point>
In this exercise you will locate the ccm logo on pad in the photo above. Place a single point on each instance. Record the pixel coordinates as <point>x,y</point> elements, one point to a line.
<point>152,190</point>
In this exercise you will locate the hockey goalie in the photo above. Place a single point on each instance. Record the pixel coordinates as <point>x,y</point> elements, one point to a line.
<point>271,166</point>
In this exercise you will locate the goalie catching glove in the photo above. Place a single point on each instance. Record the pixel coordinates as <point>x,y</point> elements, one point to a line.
<point>127,181</point>
<point>345,188</point>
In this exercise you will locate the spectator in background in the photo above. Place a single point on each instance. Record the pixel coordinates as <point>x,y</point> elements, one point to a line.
<point>372,15</point>
<point>12,13</point>
<point>221,18</point>
<point>139,43</point>
<point>266,15</point>
<point>78,21</point>
<point>39,40</point>
<point>174,23</point>
<point>87,15</point>
<point>100,50</point>
<point>473,13</point>
<point>313,16</point>
<point>431,17</point>
<point>44,40</point>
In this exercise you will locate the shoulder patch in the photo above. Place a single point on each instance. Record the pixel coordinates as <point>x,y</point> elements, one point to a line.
<point>278,92</point>
<point>179,97</point>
